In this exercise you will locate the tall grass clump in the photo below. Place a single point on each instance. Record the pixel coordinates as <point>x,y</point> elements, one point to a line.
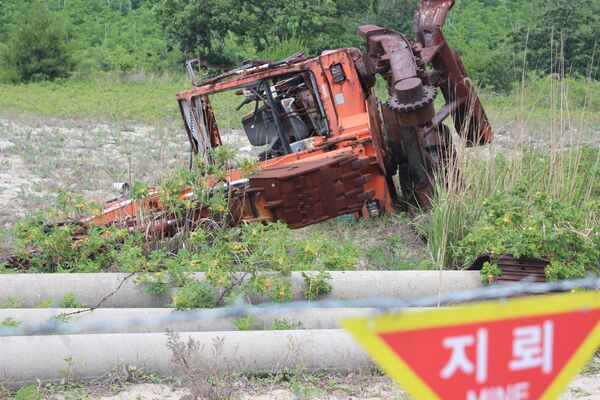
<point>534,192</point>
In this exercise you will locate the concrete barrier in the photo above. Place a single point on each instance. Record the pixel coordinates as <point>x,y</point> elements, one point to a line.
<point>90,289</point>
<point>48,358</point>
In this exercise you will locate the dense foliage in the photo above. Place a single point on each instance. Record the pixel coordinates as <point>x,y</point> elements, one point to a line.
<point>493,36</point>
<point>214,28</point>
<point>525,224</point>
<point>104,35</point>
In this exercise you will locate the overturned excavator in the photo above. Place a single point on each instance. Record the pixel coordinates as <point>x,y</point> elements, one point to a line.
<point>325,145</point>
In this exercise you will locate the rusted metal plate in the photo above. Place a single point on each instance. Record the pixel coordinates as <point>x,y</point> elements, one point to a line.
<point>307,192</point>
<point>515,269</point>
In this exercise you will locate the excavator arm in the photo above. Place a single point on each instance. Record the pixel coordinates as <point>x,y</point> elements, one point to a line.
<point>418,143</point>
<point>449,74</point>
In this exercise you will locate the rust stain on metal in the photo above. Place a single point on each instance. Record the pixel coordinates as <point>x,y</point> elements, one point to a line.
<point>515,269</point>
<point>302,194</point>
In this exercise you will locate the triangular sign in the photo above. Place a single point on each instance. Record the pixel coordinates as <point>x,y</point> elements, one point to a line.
<point>519,349</point>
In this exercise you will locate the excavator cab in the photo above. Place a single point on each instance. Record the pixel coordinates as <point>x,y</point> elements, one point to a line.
<point>279,115</point>
<point>284,113</point>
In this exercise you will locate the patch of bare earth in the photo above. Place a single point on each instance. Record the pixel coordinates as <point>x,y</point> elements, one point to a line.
<point>40,155</point>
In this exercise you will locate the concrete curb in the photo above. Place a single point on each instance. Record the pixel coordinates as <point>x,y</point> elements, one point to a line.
<point>27,358</point>
<point>90,289</point>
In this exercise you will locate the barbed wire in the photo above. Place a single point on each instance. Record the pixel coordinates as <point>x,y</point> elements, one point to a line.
<point>378,305</point>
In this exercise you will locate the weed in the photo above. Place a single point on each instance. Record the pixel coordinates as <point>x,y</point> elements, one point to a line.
<point>156,283</point>
<point>200,377</point>
<point>521,223</point>
<point>323,252</point>
<point>390,254</point>
<point>4,392</point>
<point>12,302</point>
<point>9,322</point>
<point>47,303</point>
<point>194,294</point>
<point>283,325</point>
<point>316,284</point>
<point>30,392</point>
<point>305,391</point>
<point>490,272</point>
<point>237,261</point>
<point>69,301</point>
<point>246,323</point>
<point>543,160</point>
<point>592,367</point>
<point>67,372</point>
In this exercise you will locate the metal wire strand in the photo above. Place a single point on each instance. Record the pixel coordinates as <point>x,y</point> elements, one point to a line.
<point>380,305</point>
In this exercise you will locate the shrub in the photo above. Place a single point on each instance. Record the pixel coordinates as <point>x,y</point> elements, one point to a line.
<point>37,49</point>
<point>247,260</point>
<point>194,294</point>
<point>534,225</point>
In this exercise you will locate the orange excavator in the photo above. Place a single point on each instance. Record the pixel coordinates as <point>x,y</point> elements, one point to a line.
<point>324,144</point>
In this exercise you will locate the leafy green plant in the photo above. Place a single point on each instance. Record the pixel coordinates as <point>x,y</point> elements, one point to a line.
<point>194,294</point>
<point>284,325</point>
<point>30,392</point>
<point>61,318</point>
<point>10,322</point>
<point>316,284</point>
<point>69,301</point>
<point>67,372</point>
<point>490,272</point>
<point>12,302</point>
<point>155,282</point>
<point>322,252</point>
<point>47,303</point>
<point>525,224</point>
<point>246,323</point>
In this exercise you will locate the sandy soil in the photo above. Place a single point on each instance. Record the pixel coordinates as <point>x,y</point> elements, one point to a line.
<point>40,155</point>
<point>583,387</point>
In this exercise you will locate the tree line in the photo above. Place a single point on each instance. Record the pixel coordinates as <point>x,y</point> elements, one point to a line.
<point>498,39</point>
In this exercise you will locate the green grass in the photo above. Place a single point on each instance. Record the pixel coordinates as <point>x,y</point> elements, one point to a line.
<point>149,100</point>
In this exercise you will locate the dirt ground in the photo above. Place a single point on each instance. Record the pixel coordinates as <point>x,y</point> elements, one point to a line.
<point>40,155</point>
<point>352,387</point>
